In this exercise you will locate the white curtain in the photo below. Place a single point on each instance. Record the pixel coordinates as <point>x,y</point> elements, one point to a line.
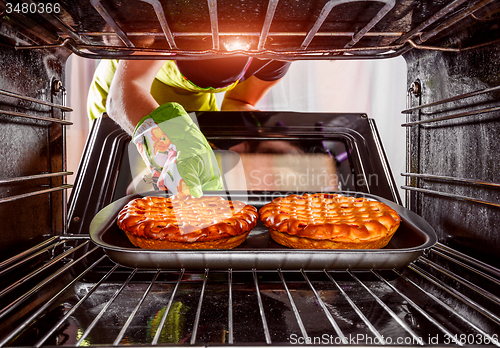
<point>375,87</point>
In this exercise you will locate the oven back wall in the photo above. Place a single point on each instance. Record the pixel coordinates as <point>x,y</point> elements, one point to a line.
<point>30,147</point>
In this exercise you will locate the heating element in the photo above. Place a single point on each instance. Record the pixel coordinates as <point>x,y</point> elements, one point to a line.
<point>334,29</point>
<point>443,298</point>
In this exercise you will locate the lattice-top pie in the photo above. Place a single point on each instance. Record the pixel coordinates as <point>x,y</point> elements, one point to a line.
<point>329,221</point>
<point>185,222</point>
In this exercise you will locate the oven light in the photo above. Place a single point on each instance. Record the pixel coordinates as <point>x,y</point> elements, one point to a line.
<point>237,44</point>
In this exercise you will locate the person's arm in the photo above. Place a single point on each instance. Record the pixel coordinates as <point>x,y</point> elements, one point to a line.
<point>129,98</point>
<point>245,95</point>
<point>172,146</point>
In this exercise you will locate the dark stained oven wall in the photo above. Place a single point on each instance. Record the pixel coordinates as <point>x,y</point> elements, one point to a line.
<point>464,207</point>
<point>30,147</point>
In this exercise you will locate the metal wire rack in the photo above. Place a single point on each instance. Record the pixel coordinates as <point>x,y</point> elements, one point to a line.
<point>377,37</point>
<point>443,298</point>
<point>458,107</point>
<point>43,113</point>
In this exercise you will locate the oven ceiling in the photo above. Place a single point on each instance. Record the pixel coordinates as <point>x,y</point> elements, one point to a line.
<point>286,29</point>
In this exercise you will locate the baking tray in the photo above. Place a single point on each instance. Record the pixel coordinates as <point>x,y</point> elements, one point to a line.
<point>259,251</point>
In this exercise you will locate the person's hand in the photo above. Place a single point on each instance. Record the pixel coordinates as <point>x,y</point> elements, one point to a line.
<point>176,152</point>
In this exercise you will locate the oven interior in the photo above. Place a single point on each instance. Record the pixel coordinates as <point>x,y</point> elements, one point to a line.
<point>58,288</point>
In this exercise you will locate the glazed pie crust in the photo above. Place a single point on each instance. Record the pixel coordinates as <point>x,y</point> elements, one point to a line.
<point>185,222</point>
<point>329,221</point>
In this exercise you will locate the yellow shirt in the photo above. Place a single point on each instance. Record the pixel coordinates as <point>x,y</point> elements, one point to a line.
<point>168,86</point>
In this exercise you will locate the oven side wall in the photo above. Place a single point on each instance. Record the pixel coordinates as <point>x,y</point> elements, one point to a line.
<point>30,147</point>
<point>465,214</point>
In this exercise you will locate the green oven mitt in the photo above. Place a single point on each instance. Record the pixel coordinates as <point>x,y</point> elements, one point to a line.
<point>176,152</point>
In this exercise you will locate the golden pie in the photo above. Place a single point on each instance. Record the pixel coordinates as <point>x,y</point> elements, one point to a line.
<point>186,222</point>
<point>329,221</point>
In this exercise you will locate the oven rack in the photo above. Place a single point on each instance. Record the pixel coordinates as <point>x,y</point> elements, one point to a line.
<point>43,114</point>
<point>443,298</point>
<point>93,41</point>
<point>37,116</point>
<point>36,101</point>
<point>461,184</point>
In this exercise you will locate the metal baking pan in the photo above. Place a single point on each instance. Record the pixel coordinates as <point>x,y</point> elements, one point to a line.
<point>259,251</point>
